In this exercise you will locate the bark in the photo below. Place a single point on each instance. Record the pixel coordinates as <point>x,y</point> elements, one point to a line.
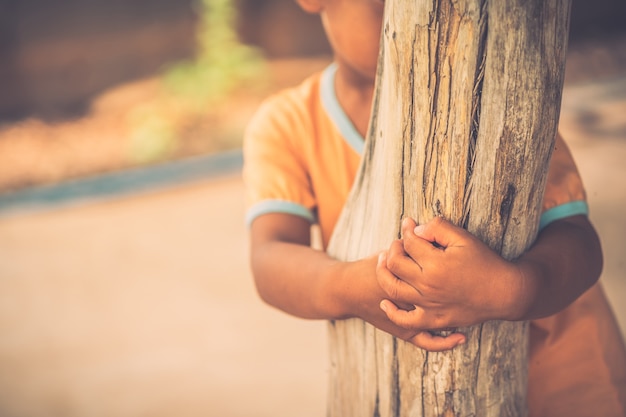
<point>463,124</point>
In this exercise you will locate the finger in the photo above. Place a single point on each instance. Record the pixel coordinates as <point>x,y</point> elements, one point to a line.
<point>396,250</point>
<point>432,343</point>
<point>424,339</point>
<point>400,263</point>
<point>408,233</point>
<point>398,290</point>
<point>408,224</point>
<point>412,320</point>
<point>418,247</point>
<point>441,231</point>
<point>415,319</point>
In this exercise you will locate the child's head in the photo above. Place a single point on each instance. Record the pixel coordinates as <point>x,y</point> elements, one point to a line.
<point>353,30</point>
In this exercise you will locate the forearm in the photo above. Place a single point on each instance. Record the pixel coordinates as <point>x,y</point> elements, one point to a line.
<point>563,263</point>
<point>307,283</point>
<point>299,280</point>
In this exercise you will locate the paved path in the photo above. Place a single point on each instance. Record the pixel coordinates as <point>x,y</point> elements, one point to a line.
<point>142,305</point>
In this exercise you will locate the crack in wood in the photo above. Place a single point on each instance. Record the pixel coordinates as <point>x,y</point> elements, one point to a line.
<point>483,24</point>
<point>506,208</point>
<point>423,380</point>
<point>377,406</point>
<point>395,379</point>
<point>407,155</point>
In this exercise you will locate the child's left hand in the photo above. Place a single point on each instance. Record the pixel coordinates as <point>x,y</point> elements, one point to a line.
<point>450,276</point>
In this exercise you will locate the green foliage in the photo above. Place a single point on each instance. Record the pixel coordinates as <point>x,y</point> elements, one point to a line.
<point>223,64</point>
<point>152,137</point>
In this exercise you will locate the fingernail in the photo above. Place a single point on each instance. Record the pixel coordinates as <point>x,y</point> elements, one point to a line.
<point>383,306</point>
<point>419,229</point>
<point>381,258</point>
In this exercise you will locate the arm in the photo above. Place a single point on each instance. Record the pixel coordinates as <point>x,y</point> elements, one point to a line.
<point>289,274</point>
<point>310,284</point>
<point>460,281</point>
<point>565,261</point>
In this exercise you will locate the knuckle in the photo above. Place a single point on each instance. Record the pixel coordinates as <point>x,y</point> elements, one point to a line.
<point>391,288</point>
<point>411,244</point>
<point>407,335</point>
<point>393,262</point>
<point>388,282</point>
<point>440,321</point>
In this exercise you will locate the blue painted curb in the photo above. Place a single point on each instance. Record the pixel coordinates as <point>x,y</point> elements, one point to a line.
<point>123,182</point>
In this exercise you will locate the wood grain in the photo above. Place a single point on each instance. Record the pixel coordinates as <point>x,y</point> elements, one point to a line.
<point>463,124</point>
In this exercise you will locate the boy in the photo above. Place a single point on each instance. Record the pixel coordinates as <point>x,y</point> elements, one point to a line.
<point>301,154</point>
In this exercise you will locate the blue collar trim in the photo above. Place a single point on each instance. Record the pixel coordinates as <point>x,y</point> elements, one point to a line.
<point>335,111</point>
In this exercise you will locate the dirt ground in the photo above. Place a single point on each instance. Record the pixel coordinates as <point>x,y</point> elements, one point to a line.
<point>143,305</point>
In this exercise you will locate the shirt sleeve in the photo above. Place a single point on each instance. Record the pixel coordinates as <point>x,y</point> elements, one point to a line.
<point>274,172</point>
<point>565,195</point>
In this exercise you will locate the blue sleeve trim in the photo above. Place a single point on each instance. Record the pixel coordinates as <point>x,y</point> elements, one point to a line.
<point>562,211</point>
<point>278,206</point>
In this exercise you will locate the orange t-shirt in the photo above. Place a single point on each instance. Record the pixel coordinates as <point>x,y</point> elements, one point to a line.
<point>301,155</point>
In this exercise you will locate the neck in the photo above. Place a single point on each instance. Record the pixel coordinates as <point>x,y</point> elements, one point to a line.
<point>354,93</point>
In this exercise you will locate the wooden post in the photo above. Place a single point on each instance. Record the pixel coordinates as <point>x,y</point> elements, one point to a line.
<point>463,124</point>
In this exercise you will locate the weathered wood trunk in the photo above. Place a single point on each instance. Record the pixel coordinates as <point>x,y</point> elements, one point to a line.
<point>464,119</point>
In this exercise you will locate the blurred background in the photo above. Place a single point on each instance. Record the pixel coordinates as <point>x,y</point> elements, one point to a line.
<point>124,283</point>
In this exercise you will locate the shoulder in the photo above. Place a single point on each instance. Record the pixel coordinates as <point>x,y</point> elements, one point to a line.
<point>564,183</point>
<point>289,110</point>
<point>564,194</point>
